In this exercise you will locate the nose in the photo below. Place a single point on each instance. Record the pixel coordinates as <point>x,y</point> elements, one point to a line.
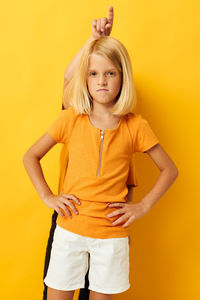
<point>102,80</point>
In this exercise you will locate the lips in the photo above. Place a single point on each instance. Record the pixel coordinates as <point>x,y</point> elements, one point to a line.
<point>102,90</point>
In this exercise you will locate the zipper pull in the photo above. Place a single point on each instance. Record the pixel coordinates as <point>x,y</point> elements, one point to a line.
<point>102,134</point>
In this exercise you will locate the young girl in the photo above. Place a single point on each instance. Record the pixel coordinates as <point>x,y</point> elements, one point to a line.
<point>100,27</point>
<point>102,133</point>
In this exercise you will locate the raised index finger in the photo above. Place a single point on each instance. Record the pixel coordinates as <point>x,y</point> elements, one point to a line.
<point>110,15</point>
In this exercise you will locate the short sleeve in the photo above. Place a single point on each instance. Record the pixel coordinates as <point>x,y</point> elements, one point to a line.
<point>59,129</point>
<point>145,137</point>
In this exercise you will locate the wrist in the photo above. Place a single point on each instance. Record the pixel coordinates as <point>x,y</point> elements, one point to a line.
<point>46,197</point>
<point>146,205</point>
<point>92,38</point>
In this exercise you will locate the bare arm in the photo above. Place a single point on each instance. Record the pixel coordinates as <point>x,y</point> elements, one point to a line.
<point>31,161</point>
<point>69,72</point>
<point>168,174</point>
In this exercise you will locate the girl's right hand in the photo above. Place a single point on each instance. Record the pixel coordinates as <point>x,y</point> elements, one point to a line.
<point>60,202</point>
<point>103,26</point>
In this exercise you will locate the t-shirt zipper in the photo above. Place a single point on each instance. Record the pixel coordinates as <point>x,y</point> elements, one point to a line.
<point>100,155</point>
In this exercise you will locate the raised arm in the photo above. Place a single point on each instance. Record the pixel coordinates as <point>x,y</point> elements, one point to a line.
<point>100,27</point>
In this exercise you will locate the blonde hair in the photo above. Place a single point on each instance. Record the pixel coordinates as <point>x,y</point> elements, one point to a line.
<point>76,92</point>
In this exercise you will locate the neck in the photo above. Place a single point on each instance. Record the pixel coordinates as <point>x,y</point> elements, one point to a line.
<point>100,110</point>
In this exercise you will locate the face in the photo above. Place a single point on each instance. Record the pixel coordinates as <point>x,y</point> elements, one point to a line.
<point>103,80</point>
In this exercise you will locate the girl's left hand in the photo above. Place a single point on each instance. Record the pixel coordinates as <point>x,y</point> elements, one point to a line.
<point>103,26</point>
<point>129,211</point>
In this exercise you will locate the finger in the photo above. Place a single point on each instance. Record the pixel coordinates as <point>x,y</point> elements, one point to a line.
<point>65,209</point>
<point>94,24</point>
<point>115,213</point>
<point>59,212</point>
<point>116,204</point>
<point>73,197</point>
<point>107,29</point>
<point>71,205</point>
<point>111,15</point>
<point>130,220</point>
<point>120,220</point>
<point>98,25</point>
<point>103,24</point>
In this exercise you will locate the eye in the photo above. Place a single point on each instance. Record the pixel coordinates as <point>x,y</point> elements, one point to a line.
<point>111,73</point>
<point>92,73</point>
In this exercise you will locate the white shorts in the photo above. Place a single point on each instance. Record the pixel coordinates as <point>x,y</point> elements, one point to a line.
<point>72,254</point>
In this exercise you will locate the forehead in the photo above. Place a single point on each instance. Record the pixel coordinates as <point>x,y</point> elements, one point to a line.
<point>100,62</point>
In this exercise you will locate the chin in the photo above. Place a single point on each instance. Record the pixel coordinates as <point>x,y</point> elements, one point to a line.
<point>104,99</point>
<point>106,102</point>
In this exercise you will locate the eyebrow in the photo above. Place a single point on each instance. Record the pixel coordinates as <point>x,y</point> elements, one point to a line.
<point>112,69</point>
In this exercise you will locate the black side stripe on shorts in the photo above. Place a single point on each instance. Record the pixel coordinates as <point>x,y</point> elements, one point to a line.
<point>84,293</point>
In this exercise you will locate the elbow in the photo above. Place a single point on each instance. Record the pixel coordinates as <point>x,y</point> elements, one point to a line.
<point>173,172</point>
<point>25,158</point>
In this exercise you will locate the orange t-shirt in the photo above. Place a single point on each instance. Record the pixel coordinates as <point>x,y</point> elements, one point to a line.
<point>98,168</point>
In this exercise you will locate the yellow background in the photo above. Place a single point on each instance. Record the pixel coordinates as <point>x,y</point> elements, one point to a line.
<point>38,40</point>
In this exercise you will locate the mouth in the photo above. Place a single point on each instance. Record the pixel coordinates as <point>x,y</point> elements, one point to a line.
<point>102,90</point>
